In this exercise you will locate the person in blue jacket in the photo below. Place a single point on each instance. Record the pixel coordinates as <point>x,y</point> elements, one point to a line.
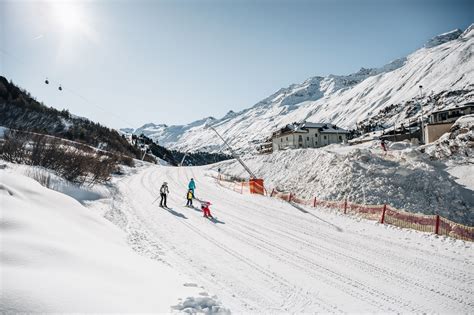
<point>192,185</point>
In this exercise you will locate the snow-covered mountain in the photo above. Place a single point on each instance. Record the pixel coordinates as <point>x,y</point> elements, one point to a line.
<point>444,67</point>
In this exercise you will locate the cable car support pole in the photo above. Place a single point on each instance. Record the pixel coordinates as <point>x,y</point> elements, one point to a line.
<point>252,175</point>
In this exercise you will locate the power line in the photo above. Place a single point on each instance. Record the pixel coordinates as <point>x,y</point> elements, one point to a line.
<point>69,90</point>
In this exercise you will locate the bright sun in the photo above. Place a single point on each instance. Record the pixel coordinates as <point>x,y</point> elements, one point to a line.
<point>69,15</point>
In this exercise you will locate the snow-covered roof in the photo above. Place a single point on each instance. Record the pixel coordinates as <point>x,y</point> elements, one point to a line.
<point>324,127</point>
<point>305,126</point>
<point>467,105</point>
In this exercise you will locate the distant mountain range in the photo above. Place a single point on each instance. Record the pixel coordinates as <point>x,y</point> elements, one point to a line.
<point>444,67</point>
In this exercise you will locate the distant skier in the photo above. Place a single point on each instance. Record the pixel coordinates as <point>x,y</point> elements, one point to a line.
<point>189,197</point>
<point>164,191</point>
<point>192,185</point>
<point>383,143</point>
<point>205,209</point>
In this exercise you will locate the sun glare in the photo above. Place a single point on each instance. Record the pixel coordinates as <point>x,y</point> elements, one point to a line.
<point>69,15</point>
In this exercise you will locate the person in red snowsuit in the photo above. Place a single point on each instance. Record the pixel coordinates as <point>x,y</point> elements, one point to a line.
<point>384,145</point>
<point>205,209</point>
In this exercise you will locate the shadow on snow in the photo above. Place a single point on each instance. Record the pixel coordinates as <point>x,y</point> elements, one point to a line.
<point>298,207</point>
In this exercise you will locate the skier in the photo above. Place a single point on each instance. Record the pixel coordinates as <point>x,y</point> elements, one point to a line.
<point>192,185</point>
<point>205,208</point>
<point>189,197</point>
<point>164,191</point>
<point>384,145</point>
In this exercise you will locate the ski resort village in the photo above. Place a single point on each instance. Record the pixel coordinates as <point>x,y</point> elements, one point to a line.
<point>300,191</point>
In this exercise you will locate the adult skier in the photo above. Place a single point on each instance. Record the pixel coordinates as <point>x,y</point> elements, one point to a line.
<point>192,185</point>
<point>164,191</point>
<point>189,197</point>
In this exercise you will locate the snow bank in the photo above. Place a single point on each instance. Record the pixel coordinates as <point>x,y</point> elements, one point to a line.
<point>406,179</point>
<point>457,144</point>
<point>58,256</point>
<point>50,180</point>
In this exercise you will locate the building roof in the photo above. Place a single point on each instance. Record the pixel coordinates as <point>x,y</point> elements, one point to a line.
<point>471,104</point>
<point>305,126</point>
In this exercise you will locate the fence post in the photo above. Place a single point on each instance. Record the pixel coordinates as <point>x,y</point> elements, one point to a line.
<point>314,203</point>
<point>345,206</point>
<point>289,199</point>
<point>382,219</point>
<point>437,225</point>
<point>273,190</point>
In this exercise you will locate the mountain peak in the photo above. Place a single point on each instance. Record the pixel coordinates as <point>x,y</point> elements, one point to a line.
<point>443,38</point>
<point>468,32</point>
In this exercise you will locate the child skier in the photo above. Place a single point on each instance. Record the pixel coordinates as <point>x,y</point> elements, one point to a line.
<point>205,208</point>
<point>189,197</point>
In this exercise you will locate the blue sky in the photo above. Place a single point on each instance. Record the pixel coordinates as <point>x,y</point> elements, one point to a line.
<point>126,63</point>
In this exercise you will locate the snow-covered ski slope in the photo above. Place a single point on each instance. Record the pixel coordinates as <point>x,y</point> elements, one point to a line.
<point>59,257</point>
<point>265,255</point>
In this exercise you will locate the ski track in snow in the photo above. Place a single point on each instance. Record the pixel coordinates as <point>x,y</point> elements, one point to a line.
<point>269,256</point>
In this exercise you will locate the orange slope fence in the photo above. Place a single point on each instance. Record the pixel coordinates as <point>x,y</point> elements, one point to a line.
<point>242,186</point>
<point>385,214</point>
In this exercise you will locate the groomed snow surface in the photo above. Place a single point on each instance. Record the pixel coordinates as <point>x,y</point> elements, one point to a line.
<point>58,256</point>
<point>260,255</point>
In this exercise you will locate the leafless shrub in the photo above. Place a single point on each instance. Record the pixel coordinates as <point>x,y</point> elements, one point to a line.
<point>76,163</point>
<point>14,147</point>
<point>126,160</point>
<point>42,176</point>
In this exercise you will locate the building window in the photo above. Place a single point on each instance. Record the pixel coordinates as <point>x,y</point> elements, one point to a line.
<point>324,137</point>
<point>300,138</point>
<point>286,138</point>
<point>340,138</point>
<point>307,138</point>
<point>281,139</point>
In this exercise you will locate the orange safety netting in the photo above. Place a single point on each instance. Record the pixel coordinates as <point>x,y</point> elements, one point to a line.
<point>385,214</point>
<point>253,186</point>
<point>389,215</point>
<point>456,230</point>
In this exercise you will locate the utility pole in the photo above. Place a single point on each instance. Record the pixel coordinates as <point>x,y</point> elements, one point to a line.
<point>182,160</point>
<point>422,123</point>
<point>252,175</point>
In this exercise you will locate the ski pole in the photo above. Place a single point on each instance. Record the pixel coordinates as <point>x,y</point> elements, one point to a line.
<point>155,200</point>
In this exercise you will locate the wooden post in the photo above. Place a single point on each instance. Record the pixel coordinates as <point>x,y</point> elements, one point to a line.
<point>382,219</point>
<point>437,225</point>
<point>273,190</point>
<point>289,199</point>
<point>345,206</point>
<point>314,203</point>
